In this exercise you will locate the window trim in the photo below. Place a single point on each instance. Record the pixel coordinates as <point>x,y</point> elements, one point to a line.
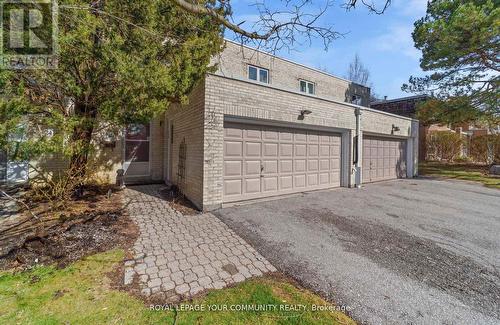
<point>307,86</point>
<point>258,74</point>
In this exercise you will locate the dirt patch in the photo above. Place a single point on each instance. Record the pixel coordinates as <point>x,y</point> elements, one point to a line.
<point>93,224</point>
<point>178,201</point>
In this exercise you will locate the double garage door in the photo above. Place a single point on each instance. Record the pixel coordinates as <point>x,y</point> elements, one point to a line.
<point>263,161</point>
<point>383,159</point>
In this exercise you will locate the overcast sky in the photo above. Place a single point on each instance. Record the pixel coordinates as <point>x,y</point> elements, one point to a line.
<point>383,42</point>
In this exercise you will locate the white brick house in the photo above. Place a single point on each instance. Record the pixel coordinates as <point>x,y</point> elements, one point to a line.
<point>263,126</point>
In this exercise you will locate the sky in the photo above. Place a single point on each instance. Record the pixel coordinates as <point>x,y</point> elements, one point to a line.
<point>383,42</point>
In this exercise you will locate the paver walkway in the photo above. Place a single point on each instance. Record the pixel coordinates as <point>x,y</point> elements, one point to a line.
<point>181,256</point>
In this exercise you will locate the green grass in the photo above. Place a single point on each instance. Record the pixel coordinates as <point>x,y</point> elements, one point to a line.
<point>81,294</point>
<point>467,172</point>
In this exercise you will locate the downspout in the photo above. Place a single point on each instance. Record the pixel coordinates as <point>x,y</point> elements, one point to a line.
<point>357,148</point>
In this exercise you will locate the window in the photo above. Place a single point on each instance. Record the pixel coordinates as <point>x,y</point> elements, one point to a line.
<point>356,99</point>
<point>258,74</point>
<point>307,87</point>
<point>137,143</point>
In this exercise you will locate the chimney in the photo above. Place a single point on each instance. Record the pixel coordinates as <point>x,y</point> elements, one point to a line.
<point>385,98</point>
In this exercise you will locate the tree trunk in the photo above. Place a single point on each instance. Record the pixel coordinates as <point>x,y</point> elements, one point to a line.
<point>81,140</point>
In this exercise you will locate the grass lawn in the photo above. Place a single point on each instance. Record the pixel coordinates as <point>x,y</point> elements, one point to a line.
<point>81,294</point>
<point>468,172</point>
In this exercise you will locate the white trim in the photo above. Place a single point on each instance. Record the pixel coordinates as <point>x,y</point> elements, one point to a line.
<point>293,62</point>
<point>249,81</point>
<point>307,86</point>
<point>258,73</point>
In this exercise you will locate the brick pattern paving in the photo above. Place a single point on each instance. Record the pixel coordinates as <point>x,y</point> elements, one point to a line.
<point>180,256</point>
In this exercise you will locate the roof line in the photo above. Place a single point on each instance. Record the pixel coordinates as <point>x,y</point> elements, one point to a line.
<point>293,62</point>
<point>401,99</point>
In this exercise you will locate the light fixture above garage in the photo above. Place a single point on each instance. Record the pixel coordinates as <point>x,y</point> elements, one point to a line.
<point>395,128</point>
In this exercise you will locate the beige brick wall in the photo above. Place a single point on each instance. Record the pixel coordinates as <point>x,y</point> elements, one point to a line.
<point>234,60</point>
<point>188,125</point>
<point>106,160</point>
<point>237,98</point>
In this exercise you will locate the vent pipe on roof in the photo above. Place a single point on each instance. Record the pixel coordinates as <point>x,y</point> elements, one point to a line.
<point>385,98</point>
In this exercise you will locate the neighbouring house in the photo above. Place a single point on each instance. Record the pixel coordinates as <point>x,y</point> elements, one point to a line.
<point>263,126</point>
<point>407,106</point>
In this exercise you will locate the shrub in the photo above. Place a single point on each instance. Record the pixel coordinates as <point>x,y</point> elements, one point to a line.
<point>485,148</point>
<point>444,145</point>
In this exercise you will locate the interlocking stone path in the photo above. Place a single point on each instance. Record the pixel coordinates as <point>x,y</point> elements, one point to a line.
<point>180,256</point>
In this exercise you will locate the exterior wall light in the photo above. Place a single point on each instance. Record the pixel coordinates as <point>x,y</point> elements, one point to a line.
<point>395,128</point>
<point>305,112</point>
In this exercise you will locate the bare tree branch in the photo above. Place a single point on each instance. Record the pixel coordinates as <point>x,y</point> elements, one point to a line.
<point>278,28</point>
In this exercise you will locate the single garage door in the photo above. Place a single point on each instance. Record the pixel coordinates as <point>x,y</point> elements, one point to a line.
<point>383,159</point>
<point>263,161</point>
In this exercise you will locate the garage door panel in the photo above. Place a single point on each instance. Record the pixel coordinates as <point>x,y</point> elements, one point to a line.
<point>252,149</point>
<point>270,167</point>
<point>300,165</point>
<point>252,185</point>
<point>253,133</point>
<point>324,150</point>
<point>300,150</point>
<point>233,132</point>
<point>286,136</point>
<point>232,187</point>
<point>252,167</point>
<point>312,180</point>
<point>313,165</point>
<point>300,137</point>
<point>383,159</point>
<point>233,149</point>
<point>270,184</point>
<point>313,150</point>
<point>324,164</point>
<point>299,181</point>
<point>324,178</point>
<point>233,168</point>
<point>286,166</point>
<point>335,151</point>
<point>263,161</point>
<point>286,150</point>
<point>270,150</point>
<point>286,182</point>
<point>270,135</point>
<point>312,138</point>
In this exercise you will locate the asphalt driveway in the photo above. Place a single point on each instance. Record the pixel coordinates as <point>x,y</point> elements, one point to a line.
<point>403,252</point>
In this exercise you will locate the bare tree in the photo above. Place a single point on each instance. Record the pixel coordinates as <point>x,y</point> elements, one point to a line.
<point>284,26</point>
<point>357,72</point>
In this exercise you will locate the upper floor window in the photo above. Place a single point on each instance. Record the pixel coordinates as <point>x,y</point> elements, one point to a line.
<point>356,99</point>
<point>307,87</point>
<point>258,74</point>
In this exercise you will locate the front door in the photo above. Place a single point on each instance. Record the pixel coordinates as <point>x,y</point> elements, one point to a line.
<point>137,151</point>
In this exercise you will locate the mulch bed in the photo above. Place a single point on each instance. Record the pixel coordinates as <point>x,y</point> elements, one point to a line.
<point>178,201</point>
<point>92,224</point>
